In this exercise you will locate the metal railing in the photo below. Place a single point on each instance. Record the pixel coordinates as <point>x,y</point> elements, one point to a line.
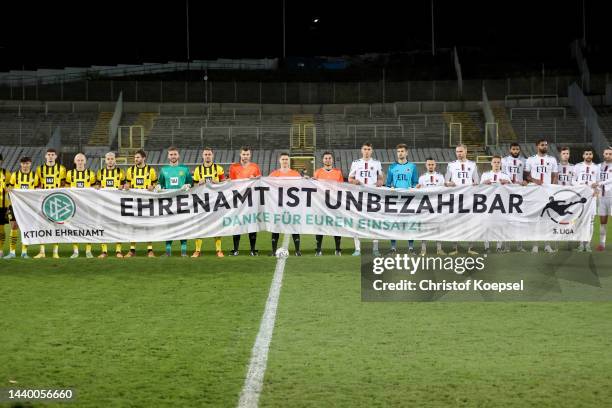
<point>289,92</point>
<point>538,110</point>
<point>532,98</point>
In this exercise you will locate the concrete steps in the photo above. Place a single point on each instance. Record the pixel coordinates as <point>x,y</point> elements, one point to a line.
<point>99,134</point>
<point>505,129</point>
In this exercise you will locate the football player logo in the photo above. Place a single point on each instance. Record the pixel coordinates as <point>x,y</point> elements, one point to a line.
<point>562,207</point>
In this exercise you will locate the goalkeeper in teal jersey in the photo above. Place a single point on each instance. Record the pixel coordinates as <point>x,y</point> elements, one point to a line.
<point>173,177</point>
<point>402,174</point>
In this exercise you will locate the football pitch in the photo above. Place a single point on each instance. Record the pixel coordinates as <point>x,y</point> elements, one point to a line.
<point>179,332</point>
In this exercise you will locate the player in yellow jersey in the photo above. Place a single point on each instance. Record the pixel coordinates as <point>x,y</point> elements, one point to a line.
<point>23,179</point>
<point>208,172</point>
<point>110,176</point>
<point>50,174</point>
<point>140,176</point>
<point>80,177</point>
<point>5,180</point>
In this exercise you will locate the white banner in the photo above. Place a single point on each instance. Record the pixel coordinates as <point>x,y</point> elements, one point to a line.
<point>292,205</point>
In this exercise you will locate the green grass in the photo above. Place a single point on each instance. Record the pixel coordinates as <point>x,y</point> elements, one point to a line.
<point>330,349</point>
<point>167,332</point>
<point>132,333</point>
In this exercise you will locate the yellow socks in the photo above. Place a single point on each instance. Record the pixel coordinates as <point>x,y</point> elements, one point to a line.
<point>13,241</point>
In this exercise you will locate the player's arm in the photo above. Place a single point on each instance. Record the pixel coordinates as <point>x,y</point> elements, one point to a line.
<point>220,174</point>
<point>555,173</point>
<point>419,185</point>
<point>527,172</point>
<point>121,179</point>
<point>475,177</point>
<point>597,180</point>
<point>161,180</point>
<point>415,175</point>
<point>63,173</point>
<point>153,176</point>
<point>449,177</point>
<point>196,177</point>
<point>37,176</point>
<point>12,181</point>
<point>574,176</point>
<point>128,179</point>
<point>380,179</point>
<point>98,179</point>
<point>7,177</point>
<point>389,181</point>
<point>352,173</point>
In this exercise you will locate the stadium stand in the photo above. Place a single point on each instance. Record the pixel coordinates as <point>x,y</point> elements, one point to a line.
<point>559,125</point>
<point>35,129</point>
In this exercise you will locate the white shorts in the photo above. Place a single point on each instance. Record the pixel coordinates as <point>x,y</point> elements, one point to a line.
<point>604,205</point>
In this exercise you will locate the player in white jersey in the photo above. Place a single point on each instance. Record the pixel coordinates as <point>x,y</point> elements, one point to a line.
<point>495,176</point>
<point>604,207</point>
<point>461,172</point>
<point>587,174</point>
<point>541,169</point>
<point>366,171</point>
<point>566,169</point>
<point>431,179</point>
<point>514,164</point>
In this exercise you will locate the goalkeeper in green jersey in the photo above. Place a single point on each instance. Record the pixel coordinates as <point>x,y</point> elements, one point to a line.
<point>173,177</point>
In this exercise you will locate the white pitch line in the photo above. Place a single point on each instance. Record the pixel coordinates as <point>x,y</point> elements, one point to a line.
<point>253,383</point>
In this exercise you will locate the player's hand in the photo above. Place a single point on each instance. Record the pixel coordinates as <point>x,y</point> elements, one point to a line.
<point>186,187</point>
<point>595,185</point>
<point>201,182</point>
<point>418,186</point>
<point>487,182</point>
<point>379,184</point>
<point>504,182</point>
<point>157,188</point>
<point>150,188</point>
<point>451,184</point>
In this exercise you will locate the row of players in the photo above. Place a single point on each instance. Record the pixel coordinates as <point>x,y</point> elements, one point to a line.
<point>514,168</point>
<point>539,169</point>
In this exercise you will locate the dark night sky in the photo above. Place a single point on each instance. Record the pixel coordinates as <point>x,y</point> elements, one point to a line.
<point>58,34</point>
